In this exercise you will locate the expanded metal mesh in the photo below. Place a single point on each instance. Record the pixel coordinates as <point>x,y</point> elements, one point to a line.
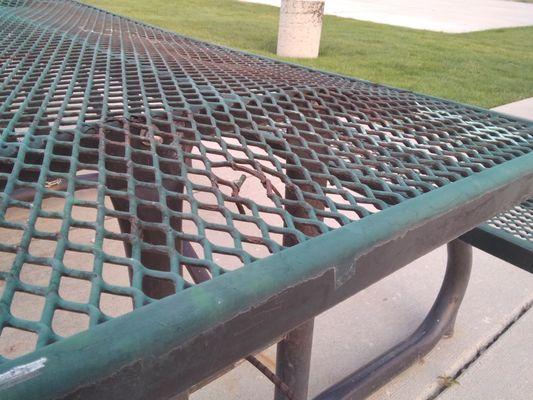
<point>517,221</point>
<point>135,162</point>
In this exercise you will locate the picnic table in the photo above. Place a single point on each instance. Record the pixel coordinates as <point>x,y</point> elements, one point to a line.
<point>202,203</point>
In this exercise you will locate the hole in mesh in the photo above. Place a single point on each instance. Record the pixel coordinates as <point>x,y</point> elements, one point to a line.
<point>227,261</point>
<point>67,323</point>
<point>170,167</point>
<point>276,237</point>
<point>256,250</point>
<point>206,197</point>
<point>144,174</point>
<point>214,158</point>
<point>27,306</point>
<point>177,204</point>
<point>81,235</point>
<point>17,214</point>
<point>36,159</point>
<point>197,248</point>
<point>16,342</point>
<point>211,145</point>
<point>117,182</point>
<point>247,228</point>
<point>6,260</point>
<point>370,207</point>
<point>42,247</point>
<point>82,174</point>
<point>332,223</point>
<point>149,213</point>
<point>87,195</point>
<point>141,157</point>
<point>338,199</point>
<point>114,305</point>
<point>186,226</point>
<point>267,165</point>
<point>154,236</point>
<point>48,224</point>
<point>188,276</point>
<point>53,204</point>
<point>230,174</point>
<point>272,219</point>
<point>147,192</point>
<point>350,214</point>
<point>200,180</point>
<point>214,217</point>
<point>237,154</point>
<point>157,288</point>
<point>219,238</point>
<point>73,289</point>
<point>116,274</point>
<point>84,213</point>
<point>38,275</point>
<point>23,192</point>
<point>10,236</point>
<point>114,247</point>
<point>78,260</point>
<point>258,151</point>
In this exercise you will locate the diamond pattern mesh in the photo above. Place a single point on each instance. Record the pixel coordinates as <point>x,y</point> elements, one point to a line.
<point>135,163</point>
<point>517,221</point>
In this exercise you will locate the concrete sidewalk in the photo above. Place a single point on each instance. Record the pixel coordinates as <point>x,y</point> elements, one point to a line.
<point>452,16</point>
<point>522,108</point>
<point>485,378</point>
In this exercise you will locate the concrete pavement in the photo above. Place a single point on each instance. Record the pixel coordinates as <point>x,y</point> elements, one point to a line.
<point>452,16</point>
<point>485,378</point>
<point>522,108</point>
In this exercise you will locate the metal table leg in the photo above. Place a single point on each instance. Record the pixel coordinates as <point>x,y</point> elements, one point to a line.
<point>293,358</point>
<point>438,323</point>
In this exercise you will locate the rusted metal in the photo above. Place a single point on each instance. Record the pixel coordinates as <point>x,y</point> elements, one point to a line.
<point>283,390</point>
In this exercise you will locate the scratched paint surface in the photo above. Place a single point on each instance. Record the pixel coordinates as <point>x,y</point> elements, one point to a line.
<point>135,163</point>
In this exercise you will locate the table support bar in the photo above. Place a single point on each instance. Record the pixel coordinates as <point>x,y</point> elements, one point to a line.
<point>438,323</point>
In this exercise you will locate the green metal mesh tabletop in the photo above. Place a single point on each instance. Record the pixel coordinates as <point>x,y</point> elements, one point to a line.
<point>136,163</point>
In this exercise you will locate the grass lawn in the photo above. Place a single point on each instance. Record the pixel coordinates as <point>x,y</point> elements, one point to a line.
<point>484,68</point>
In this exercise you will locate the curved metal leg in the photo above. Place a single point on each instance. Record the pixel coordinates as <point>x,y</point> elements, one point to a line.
<point>438,323</point>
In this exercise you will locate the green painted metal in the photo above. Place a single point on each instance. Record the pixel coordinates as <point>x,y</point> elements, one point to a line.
<point>203,161</point>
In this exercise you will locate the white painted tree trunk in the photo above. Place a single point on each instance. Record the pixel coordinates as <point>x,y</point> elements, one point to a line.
<point>300,26</point>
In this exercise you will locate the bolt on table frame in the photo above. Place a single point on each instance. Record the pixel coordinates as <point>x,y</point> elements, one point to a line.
<point>249,196</point>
